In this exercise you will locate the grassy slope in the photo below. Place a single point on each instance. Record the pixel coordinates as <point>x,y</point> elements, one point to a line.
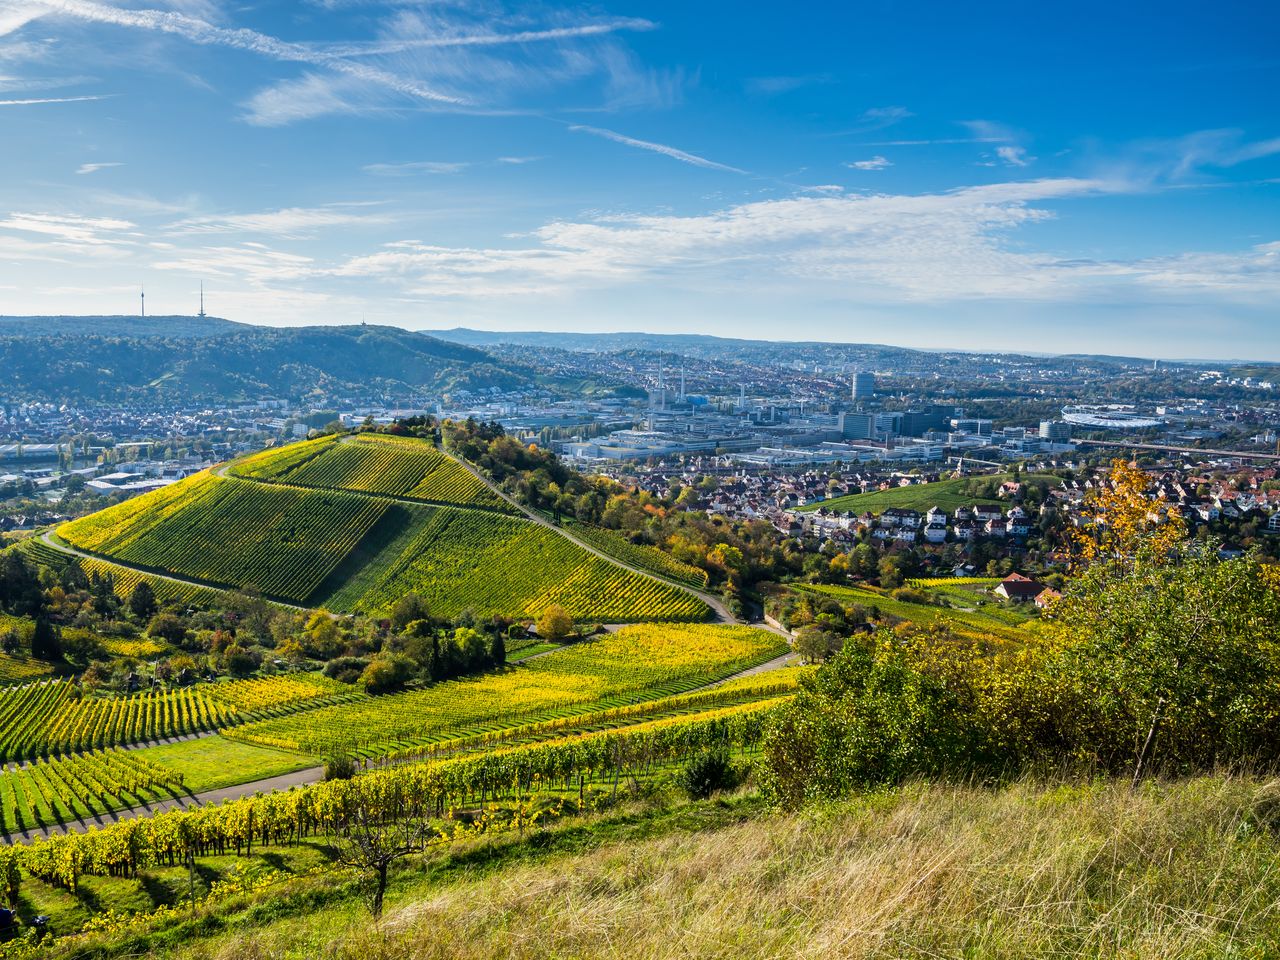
<point>985,617</point>
<point>946,495</point>
<point>1177,870</point>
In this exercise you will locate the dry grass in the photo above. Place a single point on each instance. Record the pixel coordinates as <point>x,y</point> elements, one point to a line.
<point>1173,871</point>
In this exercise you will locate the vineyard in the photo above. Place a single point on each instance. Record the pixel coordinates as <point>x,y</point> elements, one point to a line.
<point>47,792</point>
<point>426,791</point>
<point>285,541</point>
<point>125,579</point>
<point>51,718</point>
<point>638,663</point>
<point>640,555</point>
<point>358,551</point>
<point>448,556</point>
<point>772,686</point>
<point>373,463</point>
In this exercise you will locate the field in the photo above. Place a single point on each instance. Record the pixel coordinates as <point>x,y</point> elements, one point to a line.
<point>643,662</point>
<point>355,549</point>
<point>211,763</point>
<point>372,463</point>
<point>977,618</point>
<point>1024,870</point>
<point>45,719</point>
<point>946,495</point>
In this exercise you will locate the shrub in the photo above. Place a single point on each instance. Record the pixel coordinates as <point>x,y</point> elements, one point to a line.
<point>708,772</point>
<point>387,672</point>
<point>340,767</point>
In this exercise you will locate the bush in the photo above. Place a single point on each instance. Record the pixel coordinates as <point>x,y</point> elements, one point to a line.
<point>868,716</point>
<point>339,768</point>
<point>387,672</point>
<point>708,772</point>
<point>346,669</point>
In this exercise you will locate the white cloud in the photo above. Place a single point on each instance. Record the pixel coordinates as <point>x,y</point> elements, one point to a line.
<point>413,168</point>
<point>886,249</point>
<point>1014,156</point>
<point>666,151</point>
<point>875,163</point>
<point>516,161</point>
<point>290,222</point>
<point>30,102</point>
<point>90,231</point>
<point>95,167</point>
<point>490,39</point>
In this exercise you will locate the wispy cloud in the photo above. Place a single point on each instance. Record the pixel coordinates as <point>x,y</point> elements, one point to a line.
<point>289,222</point>
<point>1014,156</point>
<point>198,31</point>
<point>770,86</point>
<point>517,161</point>
<point>95,167</point>
<point>875,163</point>
<point>77,229</point>
<point>36,100</point>
<point>930,143</point>
<point>666,151</point>
<point>600,28</point>
<point>413,168</point>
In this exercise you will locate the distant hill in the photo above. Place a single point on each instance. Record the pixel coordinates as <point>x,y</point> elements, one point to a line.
<point>108,326</point>
<point>695,344</point>
<point>118,359</point>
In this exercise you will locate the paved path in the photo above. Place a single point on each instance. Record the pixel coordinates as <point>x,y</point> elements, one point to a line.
<point>283,782</point>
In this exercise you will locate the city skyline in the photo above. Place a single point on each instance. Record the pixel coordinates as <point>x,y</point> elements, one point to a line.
<point>990,180</point>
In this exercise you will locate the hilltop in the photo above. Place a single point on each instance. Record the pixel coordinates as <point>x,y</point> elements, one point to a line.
<point>352,523</point>
<point>122,359</point>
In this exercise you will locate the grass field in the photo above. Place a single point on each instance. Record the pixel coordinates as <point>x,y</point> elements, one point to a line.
<point>210,763</point>
<point>946,495</point>
<point>985,617</point>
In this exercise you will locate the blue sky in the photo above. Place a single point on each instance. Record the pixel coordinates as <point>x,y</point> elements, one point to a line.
<point>1074,177</point>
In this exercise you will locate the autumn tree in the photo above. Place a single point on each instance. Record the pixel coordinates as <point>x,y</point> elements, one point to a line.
<point>1121,521</point>
<point>555,623</point>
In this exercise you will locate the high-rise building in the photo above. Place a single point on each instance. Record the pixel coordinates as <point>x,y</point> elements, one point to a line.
<point>864,386</point>
<point>1055,431</point>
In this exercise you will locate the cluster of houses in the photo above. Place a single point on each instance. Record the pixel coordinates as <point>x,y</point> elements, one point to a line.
<point>902,525</point>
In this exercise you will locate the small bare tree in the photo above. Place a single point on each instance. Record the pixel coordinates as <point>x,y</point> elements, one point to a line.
<point>371,843</point>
